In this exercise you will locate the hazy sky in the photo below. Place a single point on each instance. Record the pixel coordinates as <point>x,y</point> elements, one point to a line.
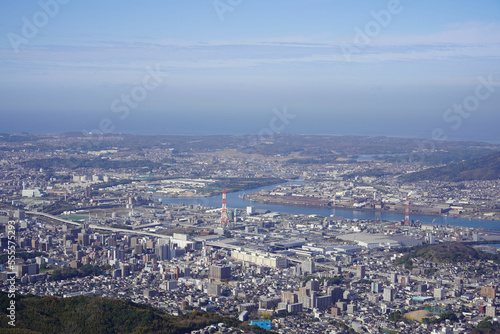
<point>204,66</point>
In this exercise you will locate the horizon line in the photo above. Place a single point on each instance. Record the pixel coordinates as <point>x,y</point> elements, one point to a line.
<point>493,142</point>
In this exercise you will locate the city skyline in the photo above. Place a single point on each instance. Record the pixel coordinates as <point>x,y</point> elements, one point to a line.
<point>395,68</point>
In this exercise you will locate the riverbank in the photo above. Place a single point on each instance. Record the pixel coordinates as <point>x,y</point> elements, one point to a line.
<point>301,201</point>
<point>234,201</point>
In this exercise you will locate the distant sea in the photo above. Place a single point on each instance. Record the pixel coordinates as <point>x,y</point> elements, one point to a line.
<point>246,124</point>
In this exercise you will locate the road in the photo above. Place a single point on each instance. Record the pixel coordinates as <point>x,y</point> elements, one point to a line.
<point>94,226</point>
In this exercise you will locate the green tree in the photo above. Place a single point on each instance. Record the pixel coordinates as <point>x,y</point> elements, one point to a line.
<point>395,316</point>
<point>266,315</point>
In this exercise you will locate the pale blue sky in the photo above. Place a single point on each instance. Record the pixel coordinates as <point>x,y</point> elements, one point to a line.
<point>263,54</point>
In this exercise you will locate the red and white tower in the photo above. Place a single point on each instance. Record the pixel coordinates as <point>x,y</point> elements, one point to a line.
<point>407,210</point>
<point>224,218</point>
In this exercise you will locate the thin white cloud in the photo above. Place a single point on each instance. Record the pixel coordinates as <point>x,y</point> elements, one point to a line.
<point>464,33</point>
<point>471,41</point>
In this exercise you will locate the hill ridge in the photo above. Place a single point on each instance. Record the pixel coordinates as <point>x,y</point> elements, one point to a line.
<point>483,168</point>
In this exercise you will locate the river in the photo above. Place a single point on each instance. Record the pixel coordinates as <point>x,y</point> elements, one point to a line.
<point>234,201</point>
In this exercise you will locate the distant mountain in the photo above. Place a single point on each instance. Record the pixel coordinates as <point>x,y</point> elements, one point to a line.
<point>484,168</point>
<point>102,315</point>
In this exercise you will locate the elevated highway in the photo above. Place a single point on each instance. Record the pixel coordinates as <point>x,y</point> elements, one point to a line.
<point>94,226</point>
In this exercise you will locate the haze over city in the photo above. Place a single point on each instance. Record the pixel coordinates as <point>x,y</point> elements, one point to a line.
<point>393,68</point>
<point>250,166</point>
